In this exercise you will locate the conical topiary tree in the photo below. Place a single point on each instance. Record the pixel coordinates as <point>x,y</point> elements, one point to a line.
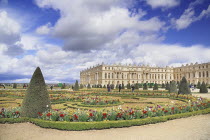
<point>123,86</point>
<point>184,87</point>
<point>128,86</point>
<point>198,85</point>
<point>163,85</point>
<point>81,86</point>
<point>137,86</point>
<point>36,98</point>
<point>155,86</point>
<point>104,86</point>
<point>167,86</point>
<point>88,86</point>
<point>76,86</point>
<point>172,87</point>
<point>14,85</point>
<point>203,88</point>
<point>145,86</point>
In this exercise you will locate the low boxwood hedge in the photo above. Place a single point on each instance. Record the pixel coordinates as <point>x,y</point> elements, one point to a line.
<point>78,126</point>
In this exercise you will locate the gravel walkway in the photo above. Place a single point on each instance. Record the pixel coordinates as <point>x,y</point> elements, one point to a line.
<point>192,128</point>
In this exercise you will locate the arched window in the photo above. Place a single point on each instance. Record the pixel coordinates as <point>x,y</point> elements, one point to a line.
<point>105,75</point>
<point>112,75</point>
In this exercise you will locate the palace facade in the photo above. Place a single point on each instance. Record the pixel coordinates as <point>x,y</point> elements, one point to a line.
<point>118,74</point>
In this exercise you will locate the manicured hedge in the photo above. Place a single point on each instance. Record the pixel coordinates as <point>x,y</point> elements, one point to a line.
<point>78,126</point>
<point>108,105</point>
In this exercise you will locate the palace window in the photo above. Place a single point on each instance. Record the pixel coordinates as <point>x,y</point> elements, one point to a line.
<point>199,74</point>
<point>207,74</point>
<point>203,74</point>
<point>105,75</point>
<point>112,75</point>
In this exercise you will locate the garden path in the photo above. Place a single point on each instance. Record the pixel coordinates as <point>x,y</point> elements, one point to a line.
<point>191,128</point>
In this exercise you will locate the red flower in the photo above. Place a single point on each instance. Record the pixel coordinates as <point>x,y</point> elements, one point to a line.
<point>76,117</point>
<point>104,115</point>
<point>163,109</point>
<point>91,115</point>
<point>62,115</point>
<point>131,113</point>
<point>0,113</point>
<point>153,110</point>
<point>119,115</point>
<point>17,112</point>
<point>166,111</point>
<point>144,111</point>
<point>172,108</point>
<point>48,114</point>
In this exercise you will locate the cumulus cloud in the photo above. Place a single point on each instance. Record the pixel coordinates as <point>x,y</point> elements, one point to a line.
<point>188,17</point>
<point>85,26</point>
<point>163,3</point>
<point>9,29</point>
<point>44,30</point>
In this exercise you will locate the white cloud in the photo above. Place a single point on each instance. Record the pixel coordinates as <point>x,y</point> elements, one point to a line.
<point>85,27</point>
<point>9,29</point>
<point>44,30</point>
<point>163,3</point>
<point>188,17</point>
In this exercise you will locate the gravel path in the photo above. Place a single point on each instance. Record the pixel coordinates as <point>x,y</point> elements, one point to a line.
<point>192,128</point>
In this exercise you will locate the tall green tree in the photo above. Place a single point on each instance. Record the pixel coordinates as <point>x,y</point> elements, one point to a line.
<point>76,86</point>
<point>163,85</point>
<point>137,86</point>
<point>128,86</point>
<point>198,85</point>
<point>88,86</point>
<point>14,85</point>
<point>145,86</point>
<point>203,88</point>
<point>150,85</point>
<point>184,87</point>
<point>172,87</point>
<point>123,86</point>
<point>36,98</point>
<point>155,86</point>
<point>81,86</point>
<point>167,86</point>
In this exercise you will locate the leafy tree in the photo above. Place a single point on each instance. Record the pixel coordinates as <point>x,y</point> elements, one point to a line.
<point>36,98</point>
<point>123,86</point>
<point>150,85</point>
<point>76,86</point>
<point>167,86</point>
<point>112,86</point>
<point>184,87</point>
<point>163,85</point>
<point>63,86</point>
<point>128,86</point>
<point>172,87</point>
<point>81,86</point>
<point>137,86</point>
<point>203,88</point>
<point>145,86</point>
<point>198,85</point>
<point>155,86</point>
<point>88,86</point>
<point>14,85</point>
<point>140,85</point>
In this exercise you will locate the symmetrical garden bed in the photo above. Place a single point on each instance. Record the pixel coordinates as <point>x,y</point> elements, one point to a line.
<point>100,110</point>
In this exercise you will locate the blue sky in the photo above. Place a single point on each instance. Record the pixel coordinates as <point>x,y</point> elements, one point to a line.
<point>65,37</point>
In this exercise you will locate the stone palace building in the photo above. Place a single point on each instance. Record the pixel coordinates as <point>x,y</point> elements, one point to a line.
<point>118,74</point>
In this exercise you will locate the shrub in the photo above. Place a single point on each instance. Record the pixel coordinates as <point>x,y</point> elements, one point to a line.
<point>128,86</point>
<point>14,85</point>
<point>203,88</point>
<point>88,86</point>
<point>173,88</point>
<point>63,86</point>
<point>137,86</point>
<point>184,87</point>
<point>76,86</point>
<point>123,86</point>
<point>145,86</point>
<point>163,85</point>
<point>36,98</point>
<point>167,86</point>
<point>198,85</point>
<point>155,86</point>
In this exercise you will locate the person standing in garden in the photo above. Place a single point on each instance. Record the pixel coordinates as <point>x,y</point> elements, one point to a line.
<point>120,87</point>
<point>108,87</point>
<point>51,87</point>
